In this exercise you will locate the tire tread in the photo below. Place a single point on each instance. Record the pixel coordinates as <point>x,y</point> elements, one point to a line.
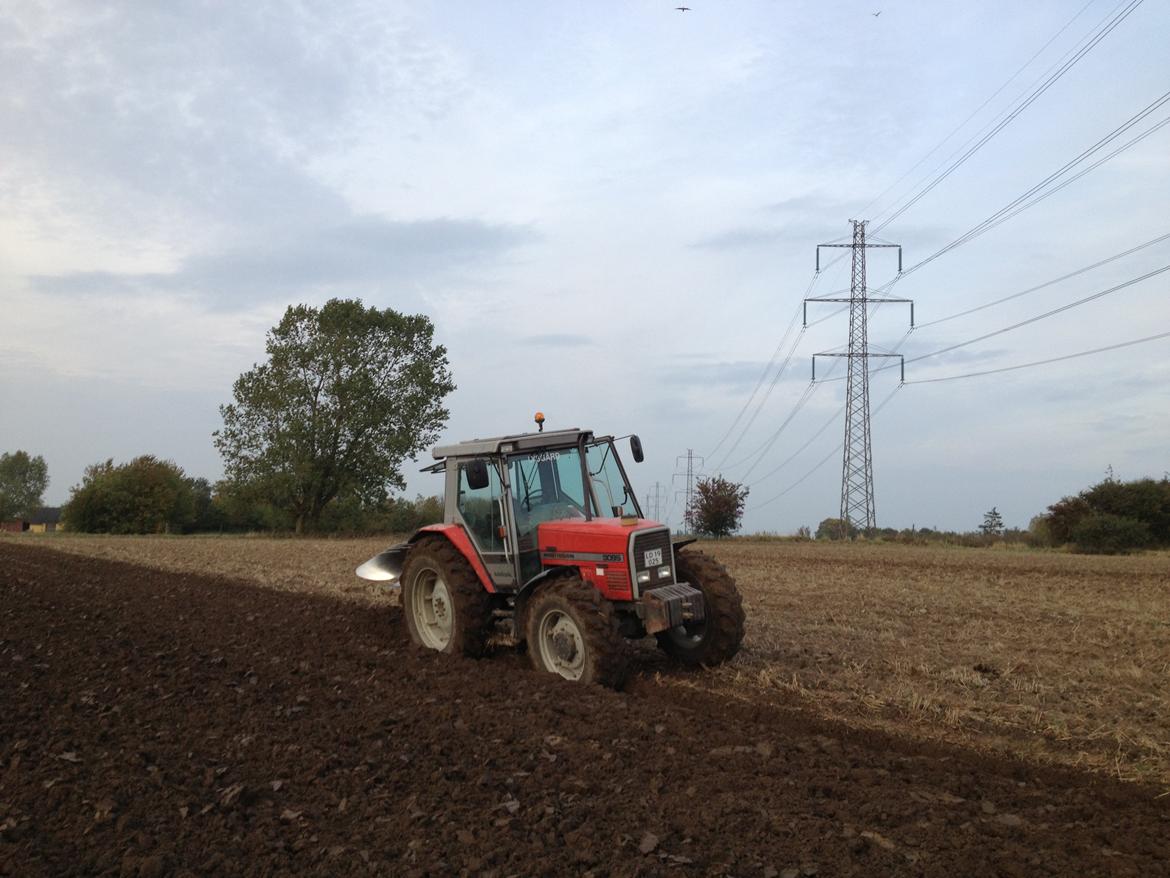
<point>473,603</point>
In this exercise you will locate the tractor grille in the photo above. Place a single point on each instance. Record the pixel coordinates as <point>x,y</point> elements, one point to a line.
<point>650,542</point>
<point>618,580</point>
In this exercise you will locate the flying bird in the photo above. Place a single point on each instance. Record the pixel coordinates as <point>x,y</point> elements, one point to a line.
<point>876,14</point>
<point>683,8</point>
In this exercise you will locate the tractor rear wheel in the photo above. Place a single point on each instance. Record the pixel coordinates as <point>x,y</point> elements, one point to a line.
<point>717,637</point>
<point>573,631</point>
<point>443,602</point>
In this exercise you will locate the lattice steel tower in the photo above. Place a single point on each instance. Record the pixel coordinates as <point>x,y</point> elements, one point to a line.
<point>857,503</point>
<point>857,466</point>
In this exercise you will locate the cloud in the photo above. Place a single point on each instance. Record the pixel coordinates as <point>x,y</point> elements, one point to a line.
<point>809,203</point>
<point>557,340</point>
<point>735,239</point>
<point>734,375</point>
<point>365,252</point>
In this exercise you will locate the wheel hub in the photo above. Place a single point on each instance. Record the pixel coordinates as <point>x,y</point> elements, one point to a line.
<point>564,646</point>
<point>431,607</point>
<point>561,645</point>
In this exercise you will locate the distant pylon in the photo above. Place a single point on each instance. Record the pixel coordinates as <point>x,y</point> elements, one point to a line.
<point>857,499</point>
<point>654,501</point>
<point>689,491</point>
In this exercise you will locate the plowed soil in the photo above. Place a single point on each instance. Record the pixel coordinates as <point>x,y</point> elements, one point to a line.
<point>157,723</point>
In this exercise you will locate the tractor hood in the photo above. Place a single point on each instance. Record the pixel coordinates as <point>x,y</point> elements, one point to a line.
<point>621,557</point>
<point>568,539</point>
<point>598,536</point>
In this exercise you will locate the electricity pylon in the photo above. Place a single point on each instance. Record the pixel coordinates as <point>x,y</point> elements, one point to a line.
<point>857,501</point>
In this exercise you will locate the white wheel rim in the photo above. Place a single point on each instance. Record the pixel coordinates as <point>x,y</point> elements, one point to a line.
<point>431,608</point>
<point>562,648</point>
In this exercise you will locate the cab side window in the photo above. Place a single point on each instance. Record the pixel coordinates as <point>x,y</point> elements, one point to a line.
<point>480,509</point>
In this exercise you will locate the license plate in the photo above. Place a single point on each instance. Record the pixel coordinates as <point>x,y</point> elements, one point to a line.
<point>652,558</point>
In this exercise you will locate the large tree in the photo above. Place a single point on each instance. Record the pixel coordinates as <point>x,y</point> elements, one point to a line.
<point>348,394</point>
<point>23,480</point>
<point>717,506</point>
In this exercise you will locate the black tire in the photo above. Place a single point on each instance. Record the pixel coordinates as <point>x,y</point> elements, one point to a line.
<point>595,653</point>
<point>464,603</point>
<point>717,638</point>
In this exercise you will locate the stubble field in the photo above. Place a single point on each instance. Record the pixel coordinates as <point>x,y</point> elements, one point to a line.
<point>1053,658</point>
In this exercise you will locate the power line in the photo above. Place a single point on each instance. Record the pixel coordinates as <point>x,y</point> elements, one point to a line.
<point>1034,319</point>
<point>978,110</point>
<point>1046,284</point>
<point>825,459</point>
<point>798,451</point>
<point>1061,70</point>
<point>1066,307</point>
<point>763,376</point>
<point>760,407</point>
<point>1045,362</point>
<point>1018,204</point>
<point>804,399</point>
<point>1112,347</point>
<point>761,449</point>
<point>809,390</point>
<point>775,379</point>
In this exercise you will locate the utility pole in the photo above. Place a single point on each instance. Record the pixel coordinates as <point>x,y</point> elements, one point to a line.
<point>857,501</point>
<point>654,501</point>
<point>689,475</point>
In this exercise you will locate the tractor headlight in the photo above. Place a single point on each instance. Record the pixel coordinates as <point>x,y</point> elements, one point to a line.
<point>664,572</point>
<point>643,577</point>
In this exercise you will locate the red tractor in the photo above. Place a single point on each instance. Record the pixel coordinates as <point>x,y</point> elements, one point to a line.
<point>544,529</point>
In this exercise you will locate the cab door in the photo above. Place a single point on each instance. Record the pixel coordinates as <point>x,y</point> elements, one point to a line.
<point>485,514</point>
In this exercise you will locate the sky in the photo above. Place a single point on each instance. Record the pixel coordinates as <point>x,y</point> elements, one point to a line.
<point>610,210</point>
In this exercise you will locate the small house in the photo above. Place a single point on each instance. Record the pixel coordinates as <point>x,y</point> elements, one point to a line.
<point>47,519</point>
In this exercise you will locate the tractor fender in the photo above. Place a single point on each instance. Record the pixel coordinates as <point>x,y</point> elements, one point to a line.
<point>387,566</point>
<point>526,590</point>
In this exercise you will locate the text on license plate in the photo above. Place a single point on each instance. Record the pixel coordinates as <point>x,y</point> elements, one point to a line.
<point>652,558</point>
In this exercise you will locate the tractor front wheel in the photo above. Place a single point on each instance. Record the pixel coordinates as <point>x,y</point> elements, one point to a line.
<point>443,602</point>
<point>573,631</point>
<point>717,637</point>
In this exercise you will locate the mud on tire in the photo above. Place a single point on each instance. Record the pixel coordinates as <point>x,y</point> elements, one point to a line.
<point>571,630</point>
<point>444,605</point>
<point>717,638</point>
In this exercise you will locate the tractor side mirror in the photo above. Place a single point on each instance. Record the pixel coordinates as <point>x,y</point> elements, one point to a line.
<point>477,474</point>
<point>636,449</point>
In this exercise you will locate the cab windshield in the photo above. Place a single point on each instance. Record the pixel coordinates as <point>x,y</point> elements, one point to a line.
<point>609,483</point>
<point>548,485</point>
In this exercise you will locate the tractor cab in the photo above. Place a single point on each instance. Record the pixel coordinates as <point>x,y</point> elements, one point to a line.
<point>507,491</point>
<point>545,529</point>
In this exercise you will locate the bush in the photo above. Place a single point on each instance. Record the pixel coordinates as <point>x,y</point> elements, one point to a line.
<point>1039,531</point>
<point>834,529</point>
<point>396,515</point>
<point>1144,501</point>
<point>146,495</point>
<point>1102,533</point>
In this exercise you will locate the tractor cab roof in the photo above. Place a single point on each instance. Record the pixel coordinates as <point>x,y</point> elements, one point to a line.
<point>511,444</point>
